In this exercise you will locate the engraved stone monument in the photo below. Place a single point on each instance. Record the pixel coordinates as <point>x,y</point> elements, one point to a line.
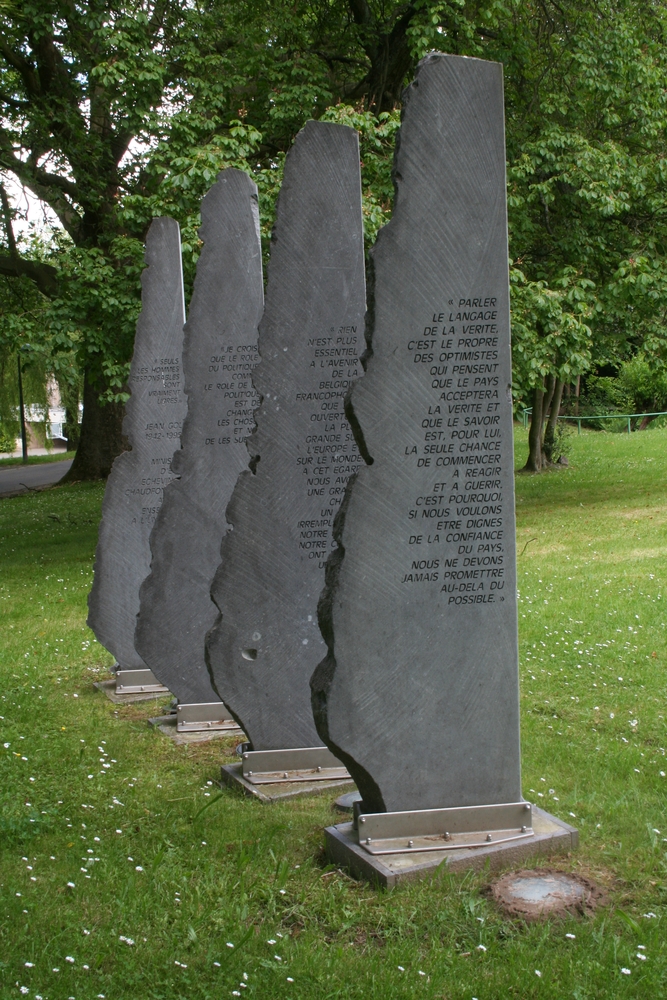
<point>418,694</point>
<point>153,419</point>
<point>267,643</point>
<point>219,353</point>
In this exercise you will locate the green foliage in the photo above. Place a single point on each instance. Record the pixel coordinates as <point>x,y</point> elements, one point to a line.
<point>586,176</point>
<point>637,388</point>
<point>377,137</point>
<point>99,293</point>
<point>21,337</point>
<point>550,331</point>
<point>138,107</point>
<point>7,436</point>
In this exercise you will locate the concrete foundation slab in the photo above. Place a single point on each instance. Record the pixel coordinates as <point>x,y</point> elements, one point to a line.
<point>551,836</point>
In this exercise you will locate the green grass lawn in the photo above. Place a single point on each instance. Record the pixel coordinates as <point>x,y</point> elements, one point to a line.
<point>114,883</point>
<point>55,456</point>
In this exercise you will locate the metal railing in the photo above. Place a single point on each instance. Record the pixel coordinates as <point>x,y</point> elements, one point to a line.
<point>527,410</point>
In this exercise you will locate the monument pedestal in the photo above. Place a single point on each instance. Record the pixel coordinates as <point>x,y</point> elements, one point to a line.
<point>168,726</point>
<point>204,717</point>
<point>270,775</point>
<point>141,681</point>
<point>128,686</point>
<point>548,835</point>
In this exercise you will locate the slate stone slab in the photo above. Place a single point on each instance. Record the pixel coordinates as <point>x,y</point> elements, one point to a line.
<point>267,644</point>
<point>219,353</point>
<point>418,695</point>
<point>153,420</point>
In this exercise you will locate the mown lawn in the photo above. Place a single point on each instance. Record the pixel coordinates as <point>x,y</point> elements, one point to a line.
<point>114,883</point>
<point>55,456</point>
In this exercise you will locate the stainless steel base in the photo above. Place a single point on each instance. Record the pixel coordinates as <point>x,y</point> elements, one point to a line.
<point>204,717</point>
<point>422,830</point>
<point>276,791</point>
<point>270,767</point>
<point>549,836</point>
<point>138,682</point>
<point>167,725</point>
<point>109,689</point>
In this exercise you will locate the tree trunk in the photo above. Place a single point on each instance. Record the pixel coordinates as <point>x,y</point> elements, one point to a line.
<point>24,438</point>
<point>101,437</point>
<point>550,431</point>
<point>644,423</point>
<point>534,461</point>
<point>71,429</point>
<point>389,53</point>
<point>550,383</point>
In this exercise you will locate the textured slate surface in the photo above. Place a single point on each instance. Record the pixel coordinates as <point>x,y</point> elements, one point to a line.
<point>153,420</point>
<point>220,349</point>
<point>419,692</point>
<point>272,572</point>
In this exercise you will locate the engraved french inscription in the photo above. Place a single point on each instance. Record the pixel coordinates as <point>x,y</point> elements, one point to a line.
<point>267,643</point>
<point>219,354</point>
<point>419,611</point>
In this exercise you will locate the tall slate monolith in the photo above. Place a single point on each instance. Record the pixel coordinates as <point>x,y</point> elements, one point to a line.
<point>418,695</point>
<point>219,353</point>
<point>267,644</point>
<point>153,419</point>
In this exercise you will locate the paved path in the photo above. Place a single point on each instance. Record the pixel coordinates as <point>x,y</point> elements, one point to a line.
<point>16,478</point>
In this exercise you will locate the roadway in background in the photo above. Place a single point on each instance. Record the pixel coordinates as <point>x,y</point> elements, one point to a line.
<point>18,479</point>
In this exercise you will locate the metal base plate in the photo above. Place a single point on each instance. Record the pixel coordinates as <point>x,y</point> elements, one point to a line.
<point>232,774</point>
<point>109,689</point>
<point>204,717</point>
<point>550,836</point>
<point>271,767</point>
<point>138,682</point>
<point>168,726</point>
<point>422,830</point>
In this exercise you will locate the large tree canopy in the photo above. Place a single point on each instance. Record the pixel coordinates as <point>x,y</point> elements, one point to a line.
<point>114,112</point>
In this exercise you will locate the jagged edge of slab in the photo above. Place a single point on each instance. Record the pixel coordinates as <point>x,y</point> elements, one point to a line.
<point>149,274</point>
<point>178,461</point>
<point>322,678</point>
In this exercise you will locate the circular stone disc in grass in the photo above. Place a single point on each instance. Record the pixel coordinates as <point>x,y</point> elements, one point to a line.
<point>345,803</point>
<point>542,892</point>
